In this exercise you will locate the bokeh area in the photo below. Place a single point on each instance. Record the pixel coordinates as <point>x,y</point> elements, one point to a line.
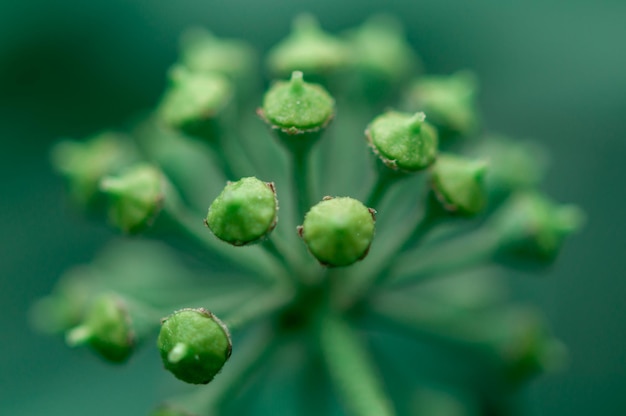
<point>550,70</point>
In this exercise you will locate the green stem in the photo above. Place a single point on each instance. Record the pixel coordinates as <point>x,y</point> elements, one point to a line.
<point>301,180</point>
<point>380,188</point>
<point>351,369</point>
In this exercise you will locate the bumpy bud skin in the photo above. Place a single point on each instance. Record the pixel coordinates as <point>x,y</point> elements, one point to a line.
<point>83,164</point>
<point>534,227</point>
<point>308,49</point>
<point>107,329</point>
<point>458,184</point>
<point>244,212</point>
<point>194,345</point>
<point>136,197</point>
<point>403,141</point>
<point>296,106</point>
<point>338,231</point>
<point>449,101</point>
<point>194,101</point>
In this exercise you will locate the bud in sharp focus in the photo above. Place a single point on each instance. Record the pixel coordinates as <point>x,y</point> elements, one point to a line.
<point>534,227</point>
<point>458,184</point>
<point>135,197</point>
<point>404,142</point>
<point>308,48</point>
<point>194,345</point>
<point>338,231</point>
<point>244,212</point>
<point>106,329</point>
<point>449,101</point>
<point>193,102</point>
<point>296,108</point>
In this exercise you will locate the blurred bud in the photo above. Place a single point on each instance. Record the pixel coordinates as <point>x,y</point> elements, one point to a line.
<point>309,49</point>
<point>83,164</point>
<point>194,345</point>
<point>244,213</point>
<point>458,184</point>
<point>513,164</point>
<point>534,227</point>
<point>194,101</point>
<point>449,101</point>
<point>404,142</point>
<point>106,328</point>
<point>135,197</point>
<point>204,52</point>
<point>338,231</point>
<point>381,50</point>
<point>168,410</point>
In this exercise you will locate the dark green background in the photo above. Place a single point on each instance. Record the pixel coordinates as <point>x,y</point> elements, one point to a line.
<point>554,71</point>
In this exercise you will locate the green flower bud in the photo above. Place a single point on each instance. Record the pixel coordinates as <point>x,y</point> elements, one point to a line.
<point>296,107</point>
<point>449,101</point>
<point>308,49</point>
<point>194,101</point>
<point>403,142</point>
<point>513,164</point>
<point>382,51</point>
<point>458,184</point>
<point>338,231</point>
<point>135,197</point>
<point>107,329</point>
<point>244,212</point>
<point>194,345</point>
<point>83,164</point>
<point>534,227</point>
<point>203,52</point>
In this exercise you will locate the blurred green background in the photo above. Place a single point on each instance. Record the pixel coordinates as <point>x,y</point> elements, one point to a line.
<point>550,70</point>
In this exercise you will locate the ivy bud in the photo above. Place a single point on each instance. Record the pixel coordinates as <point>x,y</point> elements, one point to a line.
<point>403,142</point>
<point>534,227</point>
<point>83,164</point>
<point>201,51</point>
<point>194,101</point>
<point>338,231</point>
<point>382,51</point>
<point>194,345</point>
<point>244,212</point>
<point>449,101</point>
<point>135,197</point>
<point>458,184</point>
<point>106,328</point>
<point>308,48</point>
<point>297,110</point>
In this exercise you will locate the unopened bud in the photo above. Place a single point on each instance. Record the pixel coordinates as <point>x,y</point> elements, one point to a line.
<point>458,184</point>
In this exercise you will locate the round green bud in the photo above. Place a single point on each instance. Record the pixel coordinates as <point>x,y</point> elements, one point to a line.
<point>403,142</point>
<point>338,231</point>
<point>135,197</point>
<point>513,164</point>
<point>83,164</point>
<point>308,48</point>
<point>193,102</point>
<point>204,52</point>
<point>244,212</point>
<point>381,49</point>
<point>449,101</point>
<point>107,329</point>
<point>296,107</point>
<point>194,345</point>
<point>458,184</point>
<point>534,227</point>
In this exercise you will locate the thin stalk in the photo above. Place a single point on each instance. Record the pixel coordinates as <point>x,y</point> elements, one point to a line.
<point>351,369</point>
<point>263,305</point>
<point>301,181</point>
